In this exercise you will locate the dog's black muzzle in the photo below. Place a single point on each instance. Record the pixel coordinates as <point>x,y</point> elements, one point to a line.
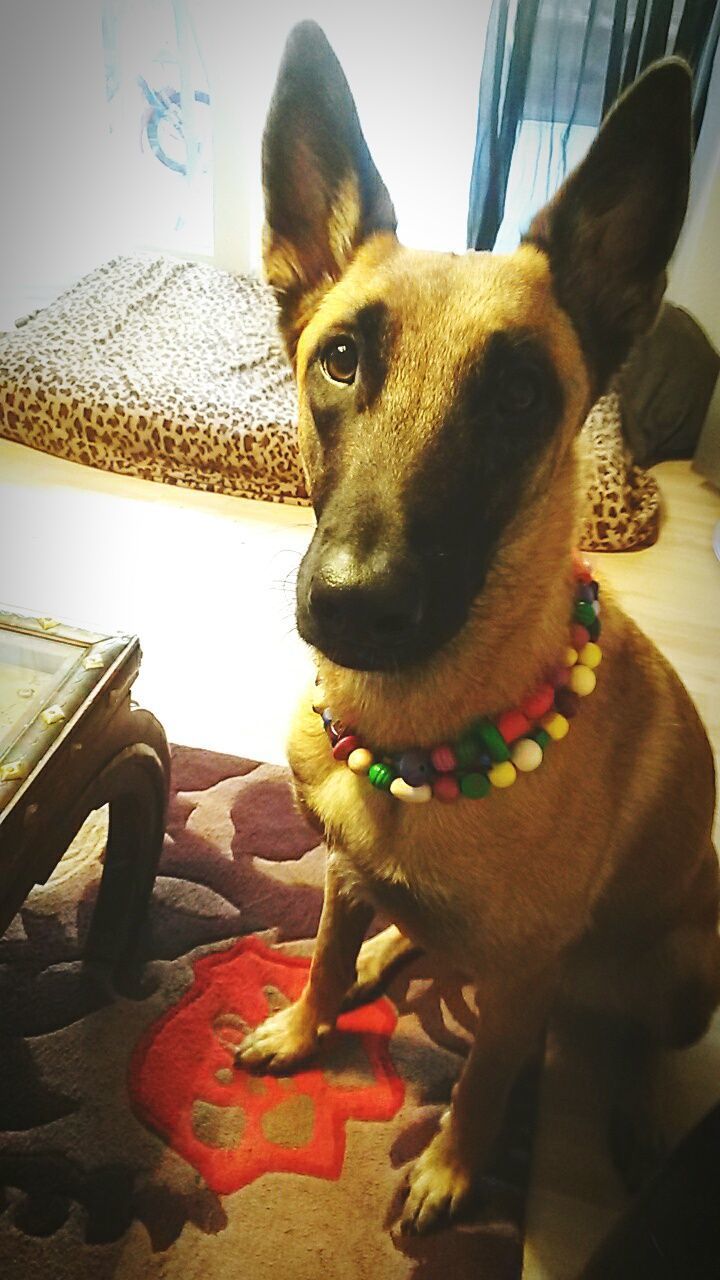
<point>361,611</point>
<point>372,598</point>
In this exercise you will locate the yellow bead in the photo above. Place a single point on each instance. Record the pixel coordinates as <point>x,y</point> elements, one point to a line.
<point>503,774</point>
<point>590,655</point>
<point>555,724</point>
<point>571,657</point>
<point>360,760</point>
<point>411,795</point>
<point>582,681</point>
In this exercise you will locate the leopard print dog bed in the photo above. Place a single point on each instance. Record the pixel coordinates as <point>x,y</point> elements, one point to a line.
<point>621,508</point>
<point>162,369</point>
<point>173,371</point>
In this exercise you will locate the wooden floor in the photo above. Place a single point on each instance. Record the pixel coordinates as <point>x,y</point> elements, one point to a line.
<point>207,583</point>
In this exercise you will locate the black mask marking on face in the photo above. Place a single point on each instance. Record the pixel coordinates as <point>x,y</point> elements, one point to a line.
<point>394,603</point>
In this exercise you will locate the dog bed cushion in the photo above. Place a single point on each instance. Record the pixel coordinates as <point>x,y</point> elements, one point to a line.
<point>621,506</point>
<point>162,369</point>
<point>174,371</point>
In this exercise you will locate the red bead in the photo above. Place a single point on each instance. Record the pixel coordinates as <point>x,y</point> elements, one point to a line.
<point>345,745</point>
<point>539,702</point>
<point>581,568</point>
<point>443,759</point>
<point>446,788</point>
<point>579,636</point>
<point>560,675</point>
<point>512,725</point>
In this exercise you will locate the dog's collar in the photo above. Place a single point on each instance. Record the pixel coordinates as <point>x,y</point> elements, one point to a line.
<point>489,753</point>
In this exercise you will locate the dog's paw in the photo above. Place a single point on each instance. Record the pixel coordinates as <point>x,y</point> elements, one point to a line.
<point>281,1043</point>
<point>377,962</point>
<point>369,984</point>
<point>439,1187</point>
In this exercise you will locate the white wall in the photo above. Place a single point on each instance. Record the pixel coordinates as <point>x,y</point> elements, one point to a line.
<point>414,70</point>
<point>56,191</point>
<point>65,208</point>
<point>695,273</point>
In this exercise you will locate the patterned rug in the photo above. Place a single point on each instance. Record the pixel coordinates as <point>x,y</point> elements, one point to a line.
<point>131,1147</point>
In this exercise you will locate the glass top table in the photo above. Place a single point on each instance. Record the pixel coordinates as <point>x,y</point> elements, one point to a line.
<point>47,670</point>
<point>31,668</point>
<point>72,740</point>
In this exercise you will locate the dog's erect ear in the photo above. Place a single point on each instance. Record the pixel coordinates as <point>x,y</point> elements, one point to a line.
<point>323,194</point>
<point>611,229</point>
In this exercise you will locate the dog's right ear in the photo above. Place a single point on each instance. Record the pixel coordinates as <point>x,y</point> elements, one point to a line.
<point>323,194</point>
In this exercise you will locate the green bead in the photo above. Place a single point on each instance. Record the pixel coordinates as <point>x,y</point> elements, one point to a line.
<point>541,737</point>
<point>584,613</point>
<point>381,776</point>
<point>492,739</point>
<point>466,750</point>
<point>474,785</point>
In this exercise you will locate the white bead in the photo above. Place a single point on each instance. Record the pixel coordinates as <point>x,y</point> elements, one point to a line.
<point>412,795</point>
<point>527,755</point>
<point>360,759</point>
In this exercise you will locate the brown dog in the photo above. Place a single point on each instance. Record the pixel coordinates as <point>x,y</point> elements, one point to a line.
<point>440,398</point>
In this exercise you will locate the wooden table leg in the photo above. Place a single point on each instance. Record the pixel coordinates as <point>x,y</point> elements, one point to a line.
<point>135,783</point>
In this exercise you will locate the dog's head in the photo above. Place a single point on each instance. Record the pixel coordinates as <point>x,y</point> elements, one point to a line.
<point>439,393</point>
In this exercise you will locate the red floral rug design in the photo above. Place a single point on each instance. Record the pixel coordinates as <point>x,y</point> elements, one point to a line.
<point>233,1126</point>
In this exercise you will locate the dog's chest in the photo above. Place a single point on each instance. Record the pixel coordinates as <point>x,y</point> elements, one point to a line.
<point>481,875</point>
<point>422,867</point>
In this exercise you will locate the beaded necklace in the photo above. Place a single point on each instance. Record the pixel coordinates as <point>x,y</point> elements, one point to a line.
<point>489,753</point>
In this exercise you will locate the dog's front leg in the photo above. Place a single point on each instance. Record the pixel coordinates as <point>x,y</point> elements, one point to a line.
<point>290,1036</point>
<point>512,1011</point>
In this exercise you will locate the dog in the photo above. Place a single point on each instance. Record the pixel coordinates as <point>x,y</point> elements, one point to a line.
<point>440,400</point>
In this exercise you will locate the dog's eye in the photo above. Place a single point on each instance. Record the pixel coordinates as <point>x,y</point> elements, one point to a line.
<point>339,360</point>
<point>518,391</point>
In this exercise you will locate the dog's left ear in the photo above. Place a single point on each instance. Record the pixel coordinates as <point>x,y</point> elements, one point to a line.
<point>612,227</point>
<point>323,194</point>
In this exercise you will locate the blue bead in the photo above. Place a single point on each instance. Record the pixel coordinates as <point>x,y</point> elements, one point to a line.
<point>484,761</point>
<point>415,767</point>
<point>586,593</point>
<point>327,717</point>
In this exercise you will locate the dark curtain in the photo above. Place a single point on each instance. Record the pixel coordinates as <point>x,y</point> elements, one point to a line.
<point>566,61</point>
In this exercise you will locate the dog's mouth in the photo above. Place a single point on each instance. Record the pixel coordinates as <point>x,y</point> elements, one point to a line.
<point>368,658</point>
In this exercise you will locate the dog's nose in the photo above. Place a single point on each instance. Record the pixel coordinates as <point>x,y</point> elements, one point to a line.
<point>375,602</point>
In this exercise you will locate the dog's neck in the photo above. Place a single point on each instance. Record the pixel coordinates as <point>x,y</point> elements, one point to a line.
<point>518,627</point>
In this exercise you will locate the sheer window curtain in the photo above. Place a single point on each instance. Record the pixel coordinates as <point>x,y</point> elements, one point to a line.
<point>551,70</point>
